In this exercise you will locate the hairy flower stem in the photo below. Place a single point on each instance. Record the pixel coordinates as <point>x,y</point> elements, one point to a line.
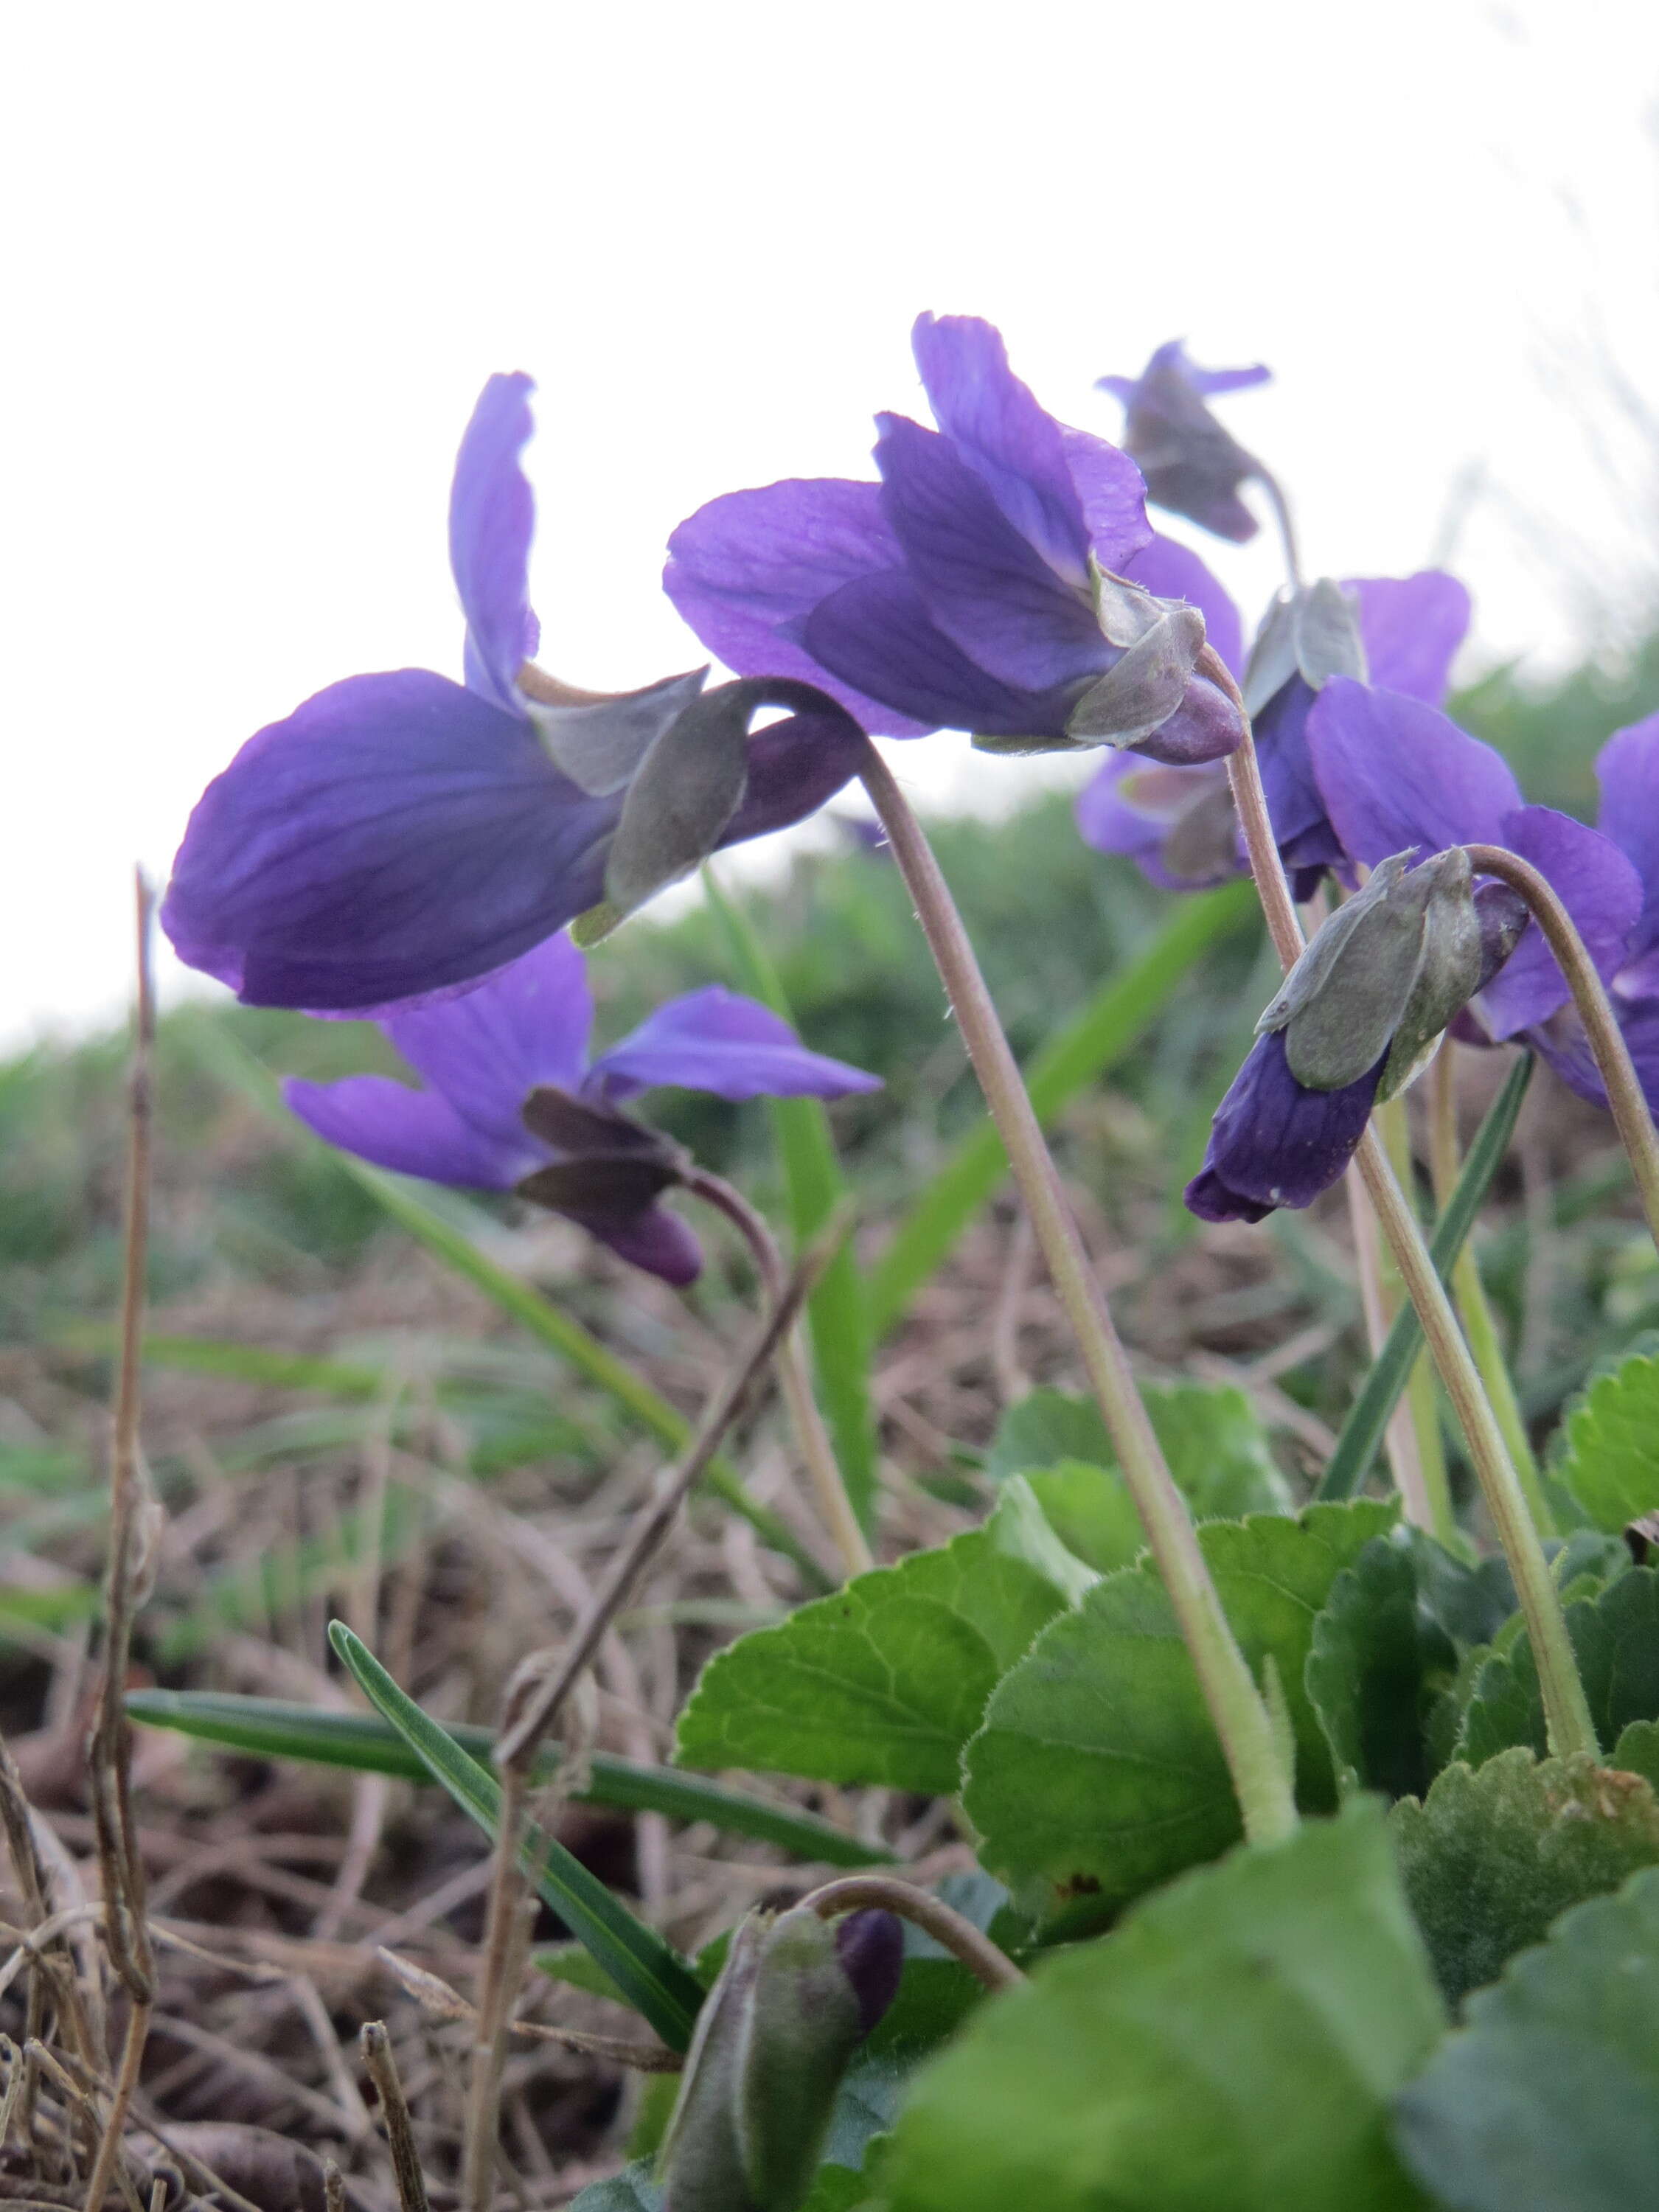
<point>986,1961</point>
<point>1474,1307</point>
<point>1236,1704</point>
<point>794,1376</point>
<point>1422,1404</point>
<point>1607,1040</point>
<point>1565,1709</point>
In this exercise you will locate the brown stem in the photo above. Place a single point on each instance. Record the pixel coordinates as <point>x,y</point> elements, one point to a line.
<point>376,2046</point>
<point>109,1762</point>
<point>855,1892</point>
<point>1607,1040</point>
<point>795,1378</point>
<point>1234,1702</point>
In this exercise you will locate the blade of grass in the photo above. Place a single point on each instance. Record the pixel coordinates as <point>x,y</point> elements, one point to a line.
<point>452,1243</point>
<point>1080,1052</point>
<point>650,1973</point>
<point>836,1315</point>
<point>268,1728</point>
<point>1368,1417</point>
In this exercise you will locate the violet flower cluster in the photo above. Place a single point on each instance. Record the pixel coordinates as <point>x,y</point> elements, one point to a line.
<point>511,1101</point>
<point>1345,683</point>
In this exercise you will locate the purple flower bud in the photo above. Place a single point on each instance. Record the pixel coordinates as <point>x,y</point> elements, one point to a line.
<point>871,1947</point>
<point>1275,1143</point>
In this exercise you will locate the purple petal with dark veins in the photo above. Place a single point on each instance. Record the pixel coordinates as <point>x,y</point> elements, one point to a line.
<point>492,517</point>
<point>394,836</point>
<point>1628,769</point>
<point>1411,628</point>
<point>414,1132</point>
<point>1013,445</point>
<point>1173,571</point>
<point>982,584</point>
<point>1274,1143</point>
<point>746,571</point>
<point>485,1053</point>
<point>715,1040</point>
<point>1600,890</point>
<point>1394,773</point>
<point>1114,498</point>
<point>875,635</point>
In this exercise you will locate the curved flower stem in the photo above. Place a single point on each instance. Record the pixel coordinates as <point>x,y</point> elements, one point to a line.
<point>1421,1403</point>
<point>1565,1708</point>
<point>1399,1436</point>
<point>1479,1322</point>
<point>1281,508</point>
<point>1235,1704</point>
<point>986,1961</point>
<point>1607,1039</point>
<point>795,1379</point>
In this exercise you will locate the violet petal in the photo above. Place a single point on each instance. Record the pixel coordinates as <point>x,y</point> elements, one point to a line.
<point>492,516</point>
<point>715,1039</point>
<point>414,1132</point>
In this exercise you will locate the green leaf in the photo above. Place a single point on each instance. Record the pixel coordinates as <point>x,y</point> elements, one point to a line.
<point>1549,2100</point>
<point>1615,1639</point>
<point>1091,1512</point>
<point>886,1682</point>
<point>1075,1055</point>
<point>449,1230</point>
<point>1493,1854</point>
<point>1234,2044</point>
<point>656,1980</point>
<point>266,1728</point>
<point>1637,1750</point>
<point>1611,1462</point>
<point>1097,1773</point>
<point>1368,1416</point>
<point>836,1314</point>
<point>1217,1449</point>
<point>631,2191</point>
<point>1470,1599</point>
<point>1374,1667</point>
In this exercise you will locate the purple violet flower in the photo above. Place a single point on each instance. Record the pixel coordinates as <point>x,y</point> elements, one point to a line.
<point>1394,773</point>
<point>398,836</point>
<point>1275,1143</point>
<point>518,1046</point>
<point>1192,463</point>
<point>1176,824</point>
<point>971,589</point>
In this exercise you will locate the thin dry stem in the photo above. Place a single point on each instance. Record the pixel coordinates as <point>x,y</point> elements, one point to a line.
<point>437,1997</point>
<point>376,2046</point>
<point>109,1752</point>
<point>794,1376</point>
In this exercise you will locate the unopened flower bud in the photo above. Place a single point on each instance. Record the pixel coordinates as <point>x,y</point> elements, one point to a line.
<point>795,1998</point>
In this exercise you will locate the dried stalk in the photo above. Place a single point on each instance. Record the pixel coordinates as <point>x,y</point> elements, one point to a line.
<point>131,1545</point>
<point>434,1996</point>
<point>376,2046</point>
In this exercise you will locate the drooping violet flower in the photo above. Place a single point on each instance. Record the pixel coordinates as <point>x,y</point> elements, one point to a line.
<point>1177,823</point>
<point>975,587</point>
<point>1393,772</point>
<point>511,1101</point>
<point>1356,1018</point>
<point>399,835</point>
<point>1192,463</point>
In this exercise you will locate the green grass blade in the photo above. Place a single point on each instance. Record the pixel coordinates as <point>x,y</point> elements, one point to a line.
<point>836,1315</point>
<point>443,1236</point>
<point>1089,1044</point>
<point>268,1728</point>
<point>650,1973</point>
<point>1368,1417</point>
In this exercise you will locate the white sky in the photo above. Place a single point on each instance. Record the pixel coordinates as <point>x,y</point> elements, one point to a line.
<point>261,257</point>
